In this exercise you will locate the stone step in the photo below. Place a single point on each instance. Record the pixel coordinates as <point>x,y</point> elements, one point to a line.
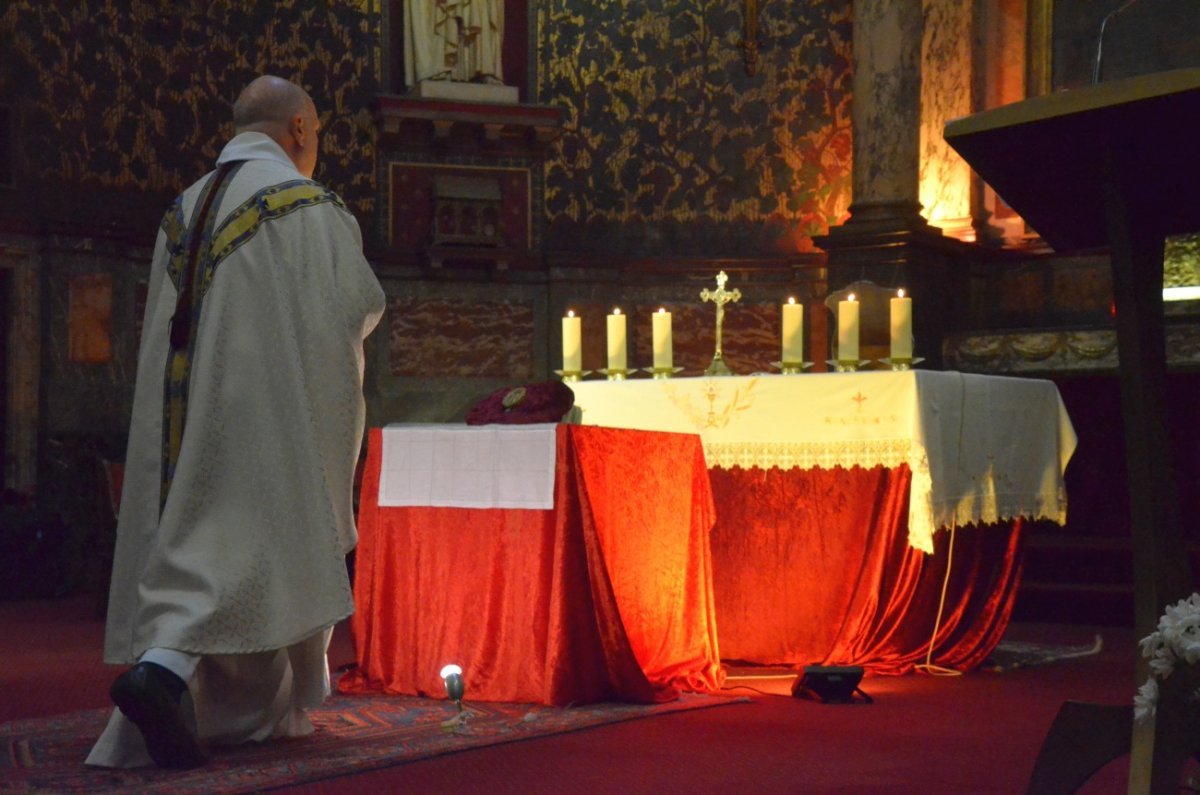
<point>1078,579</point>
<point>1070,559</point>
<point>1098,604</point>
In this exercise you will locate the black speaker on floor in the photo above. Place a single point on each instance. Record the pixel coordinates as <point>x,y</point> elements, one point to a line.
<point>831,684</point>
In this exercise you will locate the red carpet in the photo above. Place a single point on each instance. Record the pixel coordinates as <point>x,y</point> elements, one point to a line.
<point>972,734</point>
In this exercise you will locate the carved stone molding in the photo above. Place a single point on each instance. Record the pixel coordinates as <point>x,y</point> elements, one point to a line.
<point>505,128</point>
<point>1090,351</point>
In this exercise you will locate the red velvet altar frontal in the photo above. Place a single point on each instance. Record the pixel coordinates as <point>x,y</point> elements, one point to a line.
<point>607,597</point>
<point>814,567</point>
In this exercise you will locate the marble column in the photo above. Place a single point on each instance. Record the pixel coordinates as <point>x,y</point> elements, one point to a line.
<point>886,114</point>
<point>886,240</point>
<point>947,69</point>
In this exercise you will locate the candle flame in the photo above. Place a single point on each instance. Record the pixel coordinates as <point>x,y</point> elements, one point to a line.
<point>900,293</point>
<point>570,313</point>
<point>791,299</point>
<point>616,310</point>
<point>851,297</point>
<point>662,310</point>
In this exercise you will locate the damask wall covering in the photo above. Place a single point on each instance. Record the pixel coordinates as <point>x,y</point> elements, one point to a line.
<point>670,147</point>
<point>115,106</point>
<point>120,104</point>
<point>670,142</point>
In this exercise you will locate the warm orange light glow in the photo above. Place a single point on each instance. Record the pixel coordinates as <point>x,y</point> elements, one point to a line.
<point>791,299</point>
<point>851,297</point>
<point>570,313</point>
<point>616,310</point>
<point>946,77</point>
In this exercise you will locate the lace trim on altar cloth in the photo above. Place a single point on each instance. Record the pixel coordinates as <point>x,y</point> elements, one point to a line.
<point>921,525</point>
<point>809,455</point>
<point>990,509</point>
<point>985,509</point>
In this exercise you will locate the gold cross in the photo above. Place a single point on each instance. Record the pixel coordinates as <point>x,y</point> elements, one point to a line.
<point>859,398</point>
<point>720,297</point>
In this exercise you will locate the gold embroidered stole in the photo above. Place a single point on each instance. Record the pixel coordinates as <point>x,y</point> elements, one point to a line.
<point>195,252</point>
<point>186,318</point>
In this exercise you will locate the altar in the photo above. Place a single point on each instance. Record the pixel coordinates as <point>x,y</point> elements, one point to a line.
<point>839,498</point>
<point>556,564</point>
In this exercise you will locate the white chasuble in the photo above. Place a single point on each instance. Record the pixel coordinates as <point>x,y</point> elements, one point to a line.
<point>245,550</point>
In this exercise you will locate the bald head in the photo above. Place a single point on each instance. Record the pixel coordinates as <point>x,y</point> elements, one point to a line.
<point>282,110</point>
<point>268,102</point>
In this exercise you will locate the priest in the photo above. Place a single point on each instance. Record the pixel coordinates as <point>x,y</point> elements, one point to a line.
<point>236,513</point>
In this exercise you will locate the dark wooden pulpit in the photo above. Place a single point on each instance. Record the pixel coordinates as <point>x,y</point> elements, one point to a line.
<point>1115,164</point>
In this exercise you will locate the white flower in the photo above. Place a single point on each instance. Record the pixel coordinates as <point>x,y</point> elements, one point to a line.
<point>1181,621</point>
<point>1176,641</point>
<point>1162,664</point>
<point>1190,650</point>
<point>1146,701</point>
<point>1151,644</point>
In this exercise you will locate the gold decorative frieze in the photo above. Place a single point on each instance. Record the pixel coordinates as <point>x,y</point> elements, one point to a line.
<point>1092,350</point>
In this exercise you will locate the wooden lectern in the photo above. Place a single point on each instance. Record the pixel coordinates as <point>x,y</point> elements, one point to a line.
<point>1115,164</point>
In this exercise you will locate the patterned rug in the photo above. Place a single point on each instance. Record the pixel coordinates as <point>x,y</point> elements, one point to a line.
<point>354,734</point>
<point>1012,654</point>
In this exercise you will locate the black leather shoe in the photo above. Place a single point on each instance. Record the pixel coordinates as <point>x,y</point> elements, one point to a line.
<point>148,695</point>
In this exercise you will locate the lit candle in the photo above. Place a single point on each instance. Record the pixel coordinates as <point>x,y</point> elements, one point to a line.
<point>901,316</point>
<point>616,341</point>
<point>572,343</point>
<point>793,331</point>
<point>848,330</point>
<point>664,356</point>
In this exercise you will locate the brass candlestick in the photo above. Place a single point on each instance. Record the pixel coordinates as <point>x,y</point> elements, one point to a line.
<point>571,376</point>
<point>720,297</point>
<point>901,364</point>
<point>792,368</point>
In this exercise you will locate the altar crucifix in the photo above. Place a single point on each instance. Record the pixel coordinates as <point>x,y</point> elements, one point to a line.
<point>720,297</point>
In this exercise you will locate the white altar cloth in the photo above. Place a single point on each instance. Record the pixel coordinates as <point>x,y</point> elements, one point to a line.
<point>981,449</point>
<point>468,466</point>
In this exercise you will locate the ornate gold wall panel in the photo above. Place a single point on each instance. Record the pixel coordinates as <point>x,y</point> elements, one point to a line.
<point>671,147</point>
<point>130,99</point>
